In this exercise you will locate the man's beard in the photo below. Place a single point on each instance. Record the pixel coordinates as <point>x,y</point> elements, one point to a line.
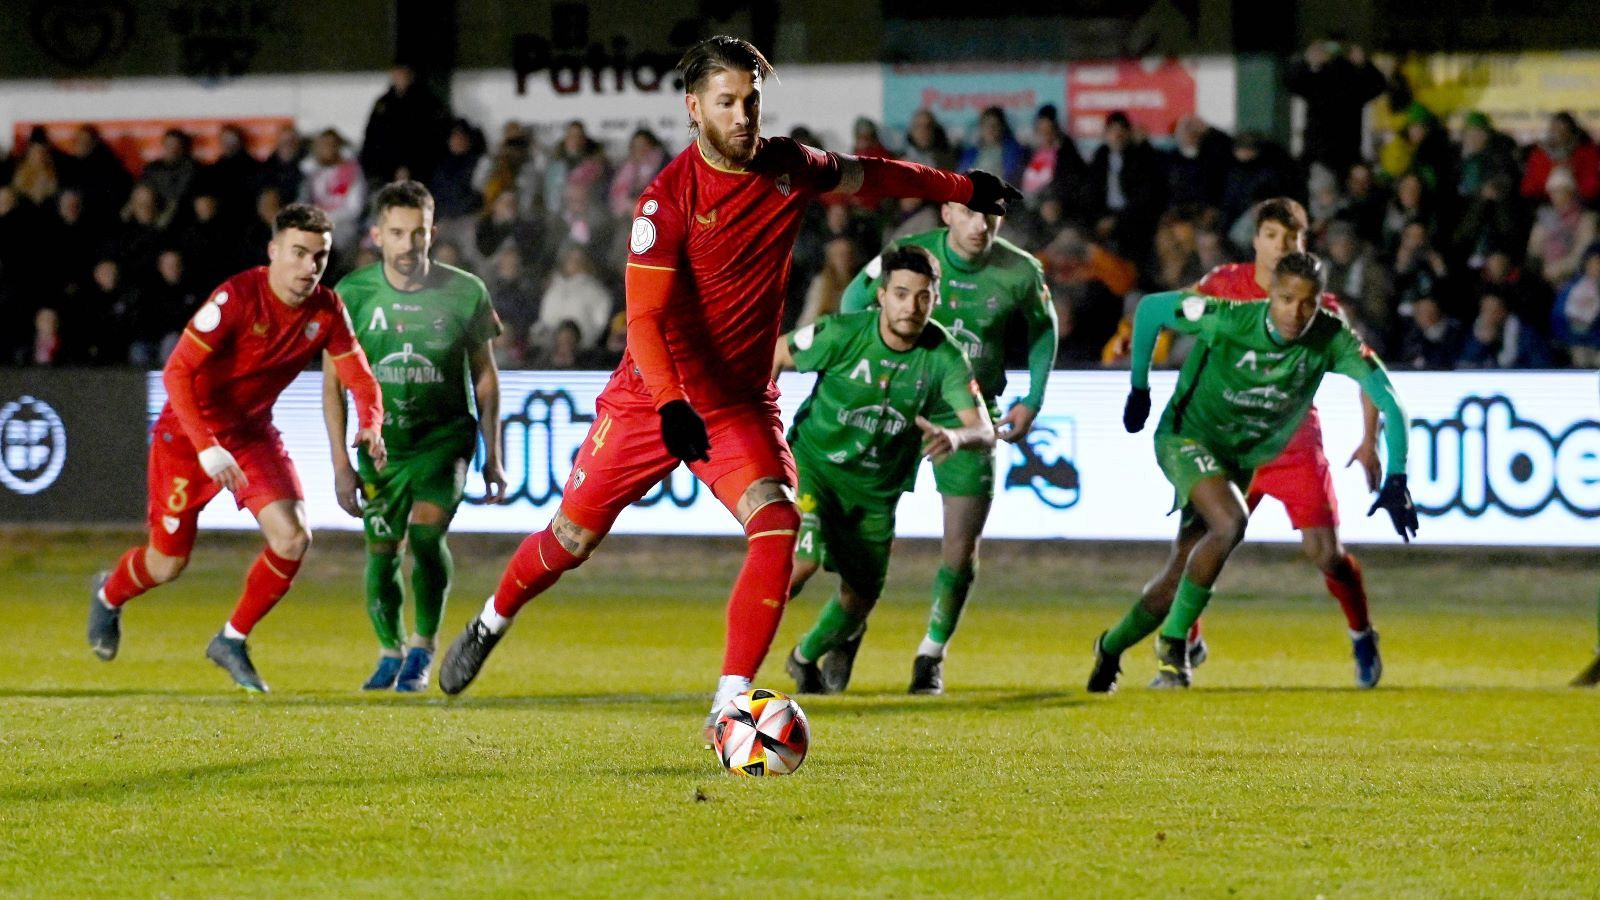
<point>727,148</point>
<point>406,263</point>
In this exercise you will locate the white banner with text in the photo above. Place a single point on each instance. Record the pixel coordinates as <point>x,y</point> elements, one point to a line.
<point>1508,459</point>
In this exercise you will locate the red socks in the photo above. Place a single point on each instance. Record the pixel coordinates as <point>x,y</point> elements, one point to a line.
<point>761,589</point>
<point>1350,589</point>
<point>129,579</point>
<point>266,583</point>
<point>537,564</point>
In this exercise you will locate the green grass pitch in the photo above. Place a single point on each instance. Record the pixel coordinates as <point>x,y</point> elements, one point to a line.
<point>572,766</point>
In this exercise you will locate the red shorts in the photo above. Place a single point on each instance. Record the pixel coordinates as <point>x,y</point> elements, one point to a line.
<point>1302,481</point>
<point>623,457</point>
<point>180,488</point>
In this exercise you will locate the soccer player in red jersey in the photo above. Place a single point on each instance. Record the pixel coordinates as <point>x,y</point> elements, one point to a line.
<point>257,331</point>
<point>711,245</point>
<point>1300,477</point>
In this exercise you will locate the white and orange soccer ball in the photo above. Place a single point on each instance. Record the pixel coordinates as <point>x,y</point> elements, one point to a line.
<point>762,732</point>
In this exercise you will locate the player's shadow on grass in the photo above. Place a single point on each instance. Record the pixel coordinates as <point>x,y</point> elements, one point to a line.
<point>198,779</point>
<point>893,702</point>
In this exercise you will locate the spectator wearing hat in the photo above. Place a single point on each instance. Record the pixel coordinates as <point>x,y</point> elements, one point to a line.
<point>1485,154</point>
<point>1562,230</point>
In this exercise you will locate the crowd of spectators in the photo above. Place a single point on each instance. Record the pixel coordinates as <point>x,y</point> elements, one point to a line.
<point>1446,249</point>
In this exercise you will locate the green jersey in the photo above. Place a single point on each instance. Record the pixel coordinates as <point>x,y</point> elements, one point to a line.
<point>1243,391</point>
<point>417,343</point>
<point>859,423</point>
<point>977,301</point>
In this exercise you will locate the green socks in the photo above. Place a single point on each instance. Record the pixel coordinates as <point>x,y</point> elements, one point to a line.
<point>1186,609</point>
<point>384,597</point>
<point>1134,627</point>
<point>950,589</point>
<point>834,627</point>
<point>431,570</point>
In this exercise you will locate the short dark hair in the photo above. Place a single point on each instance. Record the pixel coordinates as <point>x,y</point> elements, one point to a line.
<point>723,53</point>
<point>1118,117</point>
<point>908,259</point>
<point>404,194</point>
<point>301,217</point>
<point>1283,210</point>
<point>1303,265</point>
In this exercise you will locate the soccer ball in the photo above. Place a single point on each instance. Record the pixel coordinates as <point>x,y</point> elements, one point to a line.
<point>762,732</point>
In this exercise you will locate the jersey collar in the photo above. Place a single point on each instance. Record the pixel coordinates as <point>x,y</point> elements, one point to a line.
<point>700,151</point>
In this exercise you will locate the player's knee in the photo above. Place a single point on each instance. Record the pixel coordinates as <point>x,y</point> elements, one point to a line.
<point>1324,551</point>
<point>291,544</point>
<point>163,568</point>
<point>778,519</point>
<point>802,572</point>
<point>1230,530</point>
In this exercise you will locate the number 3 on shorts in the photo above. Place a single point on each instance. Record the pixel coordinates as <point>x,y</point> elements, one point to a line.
<point>600,432</point>
<point>179,498</point>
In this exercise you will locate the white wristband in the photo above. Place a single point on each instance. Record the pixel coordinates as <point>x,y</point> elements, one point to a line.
<point>215,458</point>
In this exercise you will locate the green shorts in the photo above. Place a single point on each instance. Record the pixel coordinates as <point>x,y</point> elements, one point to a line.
<point>437,475</point>
<point>1187,462</point>
<point>966,473</point>
<point>845,531</point>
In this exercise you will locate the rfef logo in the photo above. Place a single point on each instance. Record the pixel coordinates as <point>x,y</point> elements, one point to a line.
<point>33,445</point>
<point>1487,457</point>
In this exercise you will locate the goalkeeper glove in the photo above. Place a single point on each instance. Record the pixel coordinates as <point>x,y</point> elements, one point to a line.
<point>1136,410</point>
<point>1395,499</point>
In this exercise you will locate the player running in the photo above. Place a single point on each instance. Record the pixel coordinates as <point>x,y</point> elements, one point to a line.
<point>1239,399</point>
<point>257,331</point>
<point>1300,477</point>
<point>988,284</point>
<point>710,246</point>
<point>878,371</point>
<point>429,330</point>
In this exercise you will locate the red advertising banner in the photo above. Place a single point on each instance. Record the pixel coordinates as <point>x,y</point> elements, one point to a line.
<point>1155,93</point>
<point>138,141</point>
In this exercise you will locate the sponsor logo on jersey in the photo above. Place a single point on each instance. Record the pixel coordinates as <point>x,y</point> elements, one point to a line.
<point>33,445</point>
<point>1487,457</point>
<point>707,220</point>
<point>1266,396</point>
<point>879,418</point>
<point>406,366</point>
<point>259,329</point>
<point>966,339</point>
<point>1043,462</point>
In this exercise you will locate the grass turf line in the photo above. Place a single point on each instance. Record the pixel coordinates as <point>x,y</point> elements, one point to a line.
<point>571,766</point>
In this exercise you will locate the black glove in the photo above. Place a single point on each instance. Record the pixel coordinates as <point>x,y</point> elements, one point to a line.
<point>990,194</point>
<point>684,432</point>
<point>1395,499</point>
<point>1136,410</point>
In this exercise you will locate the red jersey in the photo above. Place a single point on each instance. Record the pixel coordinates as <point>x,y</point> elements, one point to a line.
<point>243,347</point>
<point>729,235</point>
<point>708,270</point>
<point>1237,281</point>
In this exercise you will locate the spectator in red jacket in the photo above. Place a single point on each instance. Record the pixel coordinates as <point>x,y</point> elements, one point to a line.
<point>1565,146</point>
